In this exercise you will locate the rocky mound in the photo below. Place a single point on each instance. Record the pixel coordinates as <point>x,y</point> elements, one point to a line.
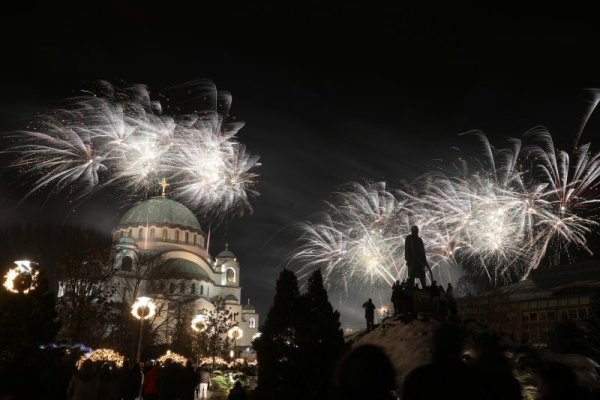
<point>408,345</point>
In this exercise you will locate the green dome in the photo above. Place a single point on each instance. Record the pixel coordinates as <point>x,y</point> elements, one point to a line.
<point>160,211</point>
<point>180,268</point>
<point>226,254</point>
<point>126,240</point>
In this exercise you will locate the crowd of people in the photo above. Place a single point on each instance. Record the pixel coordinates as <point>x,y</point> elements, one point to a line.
<point>367,373</point>
<point>149,381</point>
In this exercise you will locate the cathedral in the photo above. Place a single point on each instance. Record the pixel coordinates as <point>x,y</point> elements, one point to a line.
<point>162,252</point>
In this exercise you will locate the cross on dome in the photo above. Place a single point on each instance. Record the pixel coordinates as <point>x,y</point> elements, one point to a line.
<point>163,185</point>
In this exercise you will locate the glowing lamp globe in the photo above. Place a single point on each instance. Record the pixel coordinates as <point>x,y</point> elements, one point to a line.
<point>143,308</point>
<point>22,278</point>
<point>235,333</point>
<point>199,323</point>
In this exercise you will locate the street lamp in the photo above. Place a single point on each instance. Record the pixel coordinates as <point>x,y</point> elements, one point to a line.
<point>199,323</point>
<point>142,309</point>
<point>22,278</point>
<point>235,333</point>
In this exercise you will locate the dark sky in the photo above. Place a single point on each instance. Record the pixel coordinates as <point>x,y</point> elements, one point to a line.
<point>329,93</point>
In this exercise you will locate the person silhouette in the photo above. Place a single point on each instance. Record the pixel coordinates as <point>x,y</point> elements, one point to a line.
<point>558,382</point>
<point>446,376</point>
<point>396,296</point>
<point>365,373</point>
<point>414,254</point>
<point>369,314</point>
<point>494,371</point>
<point>237,392</point>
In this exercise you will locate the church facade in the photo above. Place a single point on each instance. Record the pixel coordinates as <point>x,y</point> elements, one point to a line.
<point>160,251</point>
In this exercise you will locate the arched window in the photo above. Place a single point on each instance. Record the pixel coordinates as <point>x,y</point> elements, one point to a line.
<point>194,240</point>
<point>193,288</point>
<point>181,287</point>
<point>130,233</point>
<point>126,263</point>
<point>172,288</point>
<point>140,233</point>
<point>177,235</point>
<point>251,323</point>
<point>230,275</point>
<point>187,237</point>
<point>201,289</point>
<point>151,233</point>
<point>165,234</point>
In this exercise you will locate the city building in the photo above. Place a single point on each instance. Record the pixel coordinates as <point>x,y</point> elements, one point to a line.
<point>527,310</point>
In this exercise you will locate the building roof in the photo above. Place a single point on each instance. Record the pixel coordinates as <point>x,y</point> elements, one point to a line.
<point>126,240</point>
<point>160,211</point>
<point>248,307</point>
<point>554,282</point>
<point>226,253</point>
<point>177,268</point>
<point>230,297</point>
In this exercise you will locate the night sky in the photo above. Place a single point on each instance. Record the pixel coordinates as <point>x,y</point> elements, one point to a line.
<point>330,94</point>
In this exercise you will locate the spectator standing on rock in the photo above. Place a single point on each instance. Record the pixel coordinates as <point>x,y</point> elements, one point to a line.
<point>414,254</point>
<point>443,302</point>
<point>435,297</point>
<point>452,310</point>
<point>369,314</point>
<point>396,296</point>
<point>408,292</point>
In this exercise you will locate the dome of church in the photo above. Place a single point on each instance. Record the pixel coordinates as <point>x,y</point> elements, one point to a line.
<point>248,307</point>
<point>160,211</point>
<point>177,268</point>
<point>226,253</point>
<point>126,241</point>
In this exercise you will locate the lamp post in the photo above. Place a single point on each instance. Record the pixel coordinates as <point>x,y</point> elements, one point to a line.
<point>142,309</point>
<point>235,333</point>
<point>21,279</point>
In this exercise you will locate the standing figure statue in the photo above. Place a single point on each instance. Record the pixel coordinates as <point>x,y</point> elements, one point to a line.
<point>414,254</point>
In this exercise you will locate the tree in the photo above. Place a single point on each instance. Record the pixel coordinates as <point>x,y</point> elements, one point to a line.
<point>219,321</point>
<point>182,338</point>
<point>146,279</point>
<point>320,339</point>
<point>85,302</point>
<point>26,321</point>
<point>277,348</point>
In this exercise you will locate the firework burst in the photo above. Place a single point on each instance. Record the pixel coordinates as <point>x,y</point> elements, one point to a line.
<point>497,220</point>
<point>119,137</point>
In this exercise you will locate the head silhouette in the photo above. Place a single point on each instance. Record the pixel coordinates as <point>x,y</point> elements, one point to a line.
<point>365,372</point>
<point>414,230</point>
<point>448,340</point>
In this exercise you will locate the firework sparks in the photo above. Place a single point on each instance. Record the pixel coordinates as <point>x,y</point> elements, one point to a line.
<point>498,221</point>
<point>120,138</point>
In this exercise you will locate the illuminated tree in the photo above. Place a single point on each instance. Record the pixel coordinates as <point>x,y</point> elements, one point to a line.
<point>218,321</point>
